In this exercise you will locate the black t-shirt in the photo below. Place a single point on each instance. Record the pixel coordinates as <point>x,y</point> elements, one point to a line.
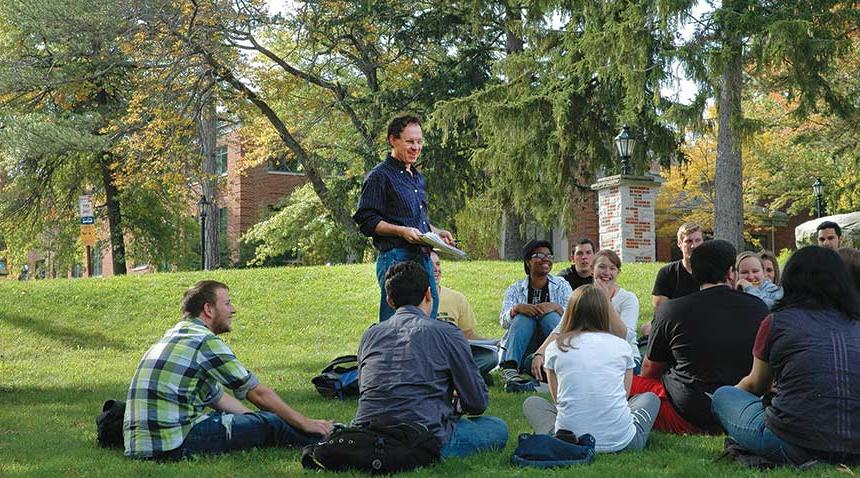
<point>674,281</point>
<point>539,296</point>
<point>574,279</point>
<point>706,340</point>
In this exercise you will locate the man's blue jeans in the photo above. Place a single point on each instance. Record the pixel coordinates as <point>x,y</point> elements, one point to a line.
<point>392,256</point>
<point>521,338</point>
<point>472,435</point>
<point>225,432</point>
<point>742,415</point>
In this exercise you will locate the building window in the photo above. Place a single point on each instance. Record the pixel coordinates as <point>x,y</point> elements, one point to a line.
<point>222,221</point>
<point>284,164</point>
<point>78,270</point>
<point>97,261</point>
<point>221,160</point>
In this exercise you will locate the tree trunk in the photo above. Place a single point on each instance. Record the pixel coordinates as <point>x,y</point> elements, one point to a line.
<point>117,241</point>
<point>728,201</point>
<point>512,242</point>
<point>207,128</point>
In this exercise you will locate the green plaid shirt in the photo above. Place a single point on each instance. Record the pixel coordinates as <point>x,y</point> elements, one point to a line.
<point>175,380</point>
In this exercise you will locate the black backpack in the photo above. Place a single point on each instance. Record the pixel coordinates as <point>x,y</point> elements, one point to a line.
<point>109,424</point>
<point>378,448</point>
<point>339,379</point>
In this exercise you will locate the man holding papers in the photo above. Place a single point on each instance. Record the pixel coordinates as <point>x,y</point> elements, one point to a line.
<point>392,208</point>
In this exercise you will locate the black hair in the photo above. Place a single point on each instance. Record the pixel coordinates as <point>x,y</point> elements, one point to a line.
<point>711,260</point>
<point>830,225</point>
<point>406,283</point>
<point>201,293</point>
<point>530,247</point>
<point>816,278</point>
<point>583,241</point>
<point>400,122</point>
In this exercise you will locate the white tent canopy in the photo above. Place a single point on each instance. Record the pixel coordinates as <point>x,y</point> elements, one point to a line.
<point>805,234</point>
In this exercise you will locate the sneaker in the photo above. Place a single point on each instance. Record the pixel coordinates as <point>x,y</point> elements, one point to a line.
<point>509,374</point>
<point>520,385</point>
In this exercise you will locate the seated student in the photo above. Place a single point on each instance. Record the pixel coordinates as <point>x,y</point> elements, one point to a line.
<point>810,346</point>
<point>851,258</point>
<point>185,372</point>
<point>589,371</point>
<point>605,267</point>
<point>751,279</point>
<point>413,368</point>
<point>579,272</point>
<point>531,309</point>
<point>455,308</point>
<point>700,342</point>
<point>770,265</point>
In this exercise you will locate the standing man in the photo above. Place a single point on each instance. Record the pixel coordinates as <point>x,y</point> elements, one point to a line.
<point>829,235</point>
<point>455,308</point>
<point>700,342</point>
<point>392,208</point>
<point>417,369</point>
<point>579,272</point>
<point>185,372</point>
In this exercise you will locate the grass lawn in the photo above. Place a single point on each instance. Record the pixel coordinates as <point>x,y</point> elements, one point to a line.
<point>68,345</point>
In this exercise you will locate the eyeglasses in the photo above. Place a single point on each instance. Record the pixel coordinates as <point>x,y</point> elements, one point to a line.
<point>541,256</point>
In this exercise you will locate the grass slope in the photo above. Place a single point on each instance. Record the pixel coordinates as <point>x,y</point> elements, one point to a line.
<point>67,345</point>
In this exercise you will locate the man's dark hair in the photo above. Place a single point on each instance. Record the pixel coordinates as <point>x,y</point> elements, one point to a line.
<point>585,240</point>
<point>400,122</point>
<point>203,292</point>
<point>816,278</point>
<point>711,260</point>
<point>830,225</point>
<point>406,283</point>
<point>530,247</point>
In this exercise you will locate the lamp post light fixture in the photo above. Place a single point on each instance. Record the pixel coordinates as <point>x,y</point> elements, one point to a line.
<point>202,208</point>
<point>818,189</point>
<point>625,142</point>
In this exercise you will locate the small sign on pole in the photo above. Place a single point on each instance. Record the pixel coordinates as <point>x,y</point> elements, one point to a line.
<point>88,234</point>
<point>85,206</point>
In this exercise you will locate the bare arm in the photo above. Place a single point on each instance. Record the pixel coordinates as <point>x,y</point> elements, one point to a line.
<point>759,379</point>
<point>229,404</point>
<point>628,380</point>
<point>409,234</point>
<point>538,358</point>
<point>657,301</point>
<point>552,380</point>
<point>651,369</point>
<point>266,399</point>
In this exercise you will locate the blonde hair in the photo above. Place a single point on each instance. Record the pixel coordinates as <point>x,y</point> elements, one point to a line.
<point>746,255</point>
<point>766,255</point>
<point>688,228</point>
<point>587,311</point>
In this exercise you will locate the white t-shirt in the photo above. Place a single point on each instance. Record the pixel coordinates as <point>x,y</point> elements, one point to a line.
<point>626,304</point>
<point>591,396</point>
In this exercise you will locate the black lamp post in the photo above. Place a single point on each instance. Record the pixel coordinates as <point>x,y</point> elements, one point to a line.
<point>202,208</point>
<point>625,142</point>
<point>818,189</point>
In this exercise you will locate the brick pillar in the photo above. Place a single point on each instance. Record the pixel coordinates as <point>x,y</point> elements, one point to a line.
<point>625,207</point>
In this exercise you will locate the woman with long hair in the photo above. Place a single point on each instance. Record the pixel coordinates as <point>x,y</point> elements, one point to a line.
<point>589,370</point>
<point>810,347</point>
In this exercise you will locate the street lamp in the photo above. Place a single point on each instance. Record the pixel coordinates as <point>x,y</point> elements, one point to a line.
<point>818,189</point>
<point>625,142</point>
<point>202,208</point>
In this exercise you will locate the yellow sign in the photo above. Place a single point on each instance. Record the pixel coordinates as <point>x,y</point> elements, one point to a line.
<point>88,234</point>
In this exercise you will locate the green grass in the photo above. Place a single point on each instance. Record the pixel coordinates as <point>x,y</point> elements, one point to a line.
<point>67,345</point>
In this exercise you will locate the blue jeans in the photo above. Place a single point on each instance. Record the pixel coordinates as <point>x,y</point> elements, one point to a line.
<point>742,416</point>
<point>472,435</point>
<point>520,340</point>
<point>392,256</point>
<point>225,432</point>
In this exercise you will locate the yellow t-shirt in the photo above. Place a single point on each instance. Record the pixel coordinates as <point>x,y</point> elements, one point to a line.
<point>454,308</point>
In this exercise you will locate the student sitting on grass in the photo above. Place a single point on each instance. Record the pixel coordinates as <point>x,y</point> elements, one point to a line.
<point>751,279</point>
<point>810,347</point>
<point>589,371</point>
<point>605,267</point>
<point>413,368</point>
<point>185,372</point>
<point>531,310</point>
<point>770,266</point>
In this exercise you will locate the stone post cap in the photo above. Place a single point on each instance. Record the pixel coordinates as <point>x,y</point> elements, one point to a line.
<point>627,180</point>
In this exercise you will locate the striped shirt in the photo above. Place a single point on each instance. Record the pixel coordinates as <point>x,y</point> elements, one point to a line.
<point>175,380</point>
<point>396,196</point>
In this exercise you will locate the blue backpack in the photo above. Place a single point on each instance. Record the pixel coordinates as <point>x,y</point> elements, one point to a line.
<point>339,379</point>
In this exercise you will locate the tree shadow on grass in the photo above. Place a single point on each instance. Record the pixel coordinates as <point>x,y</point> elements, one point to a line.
<point>67,335</point>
